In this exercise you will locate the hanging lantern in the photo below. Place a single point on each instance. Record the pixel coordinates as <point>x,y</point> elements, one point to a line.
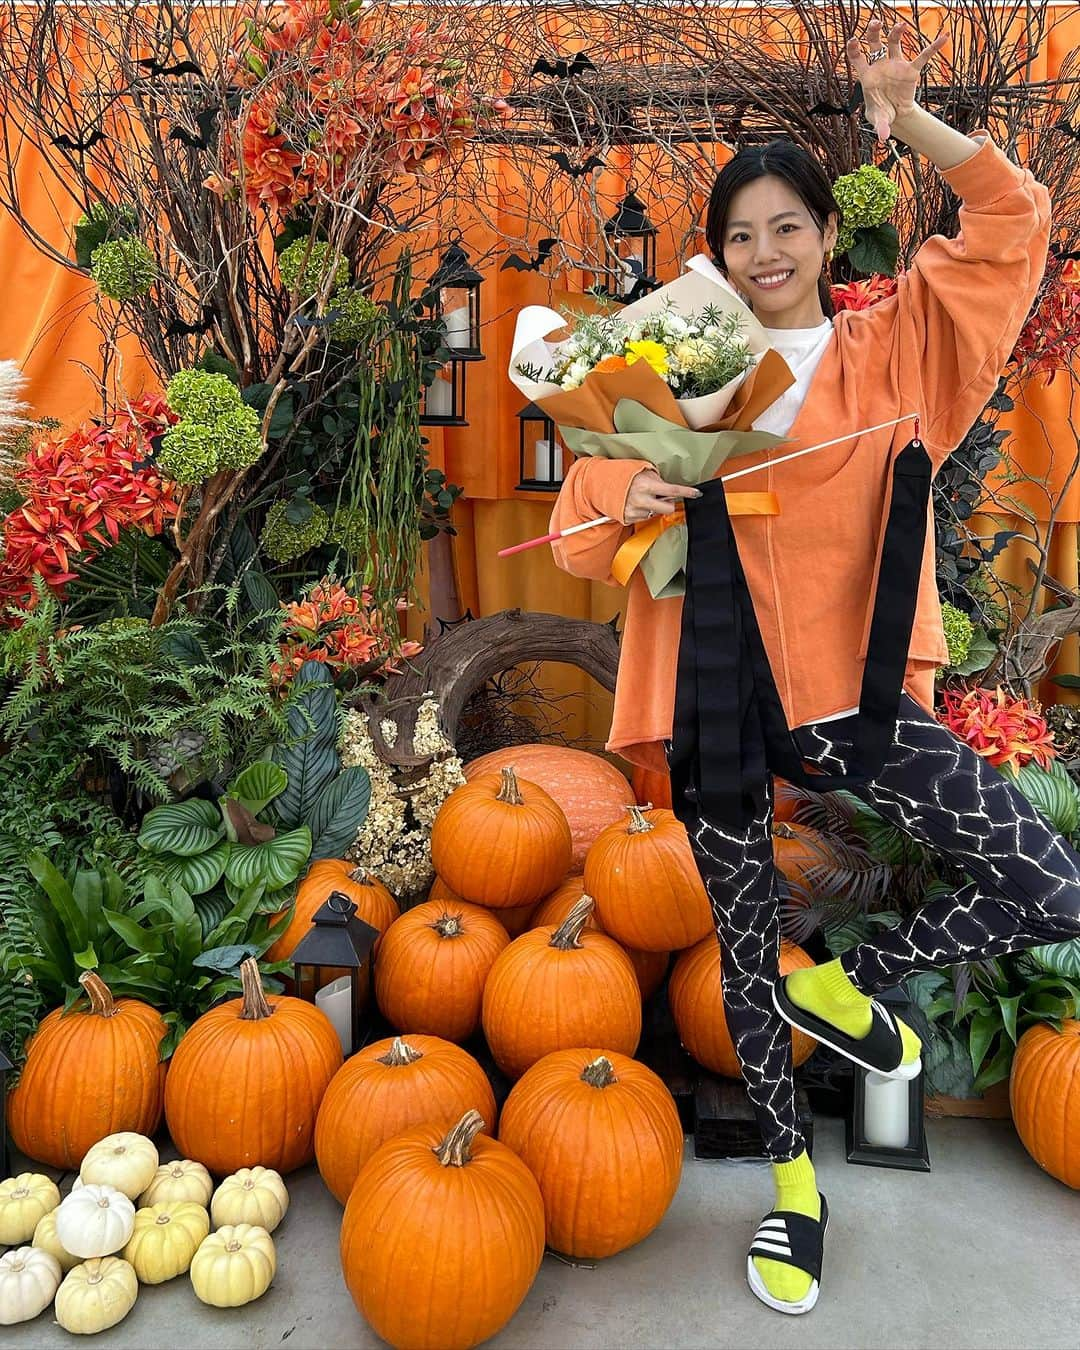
<point>886,1127</point>
<point>631,239</point>
<point>453,299</point>
<point>442,403</point>
<point>337,940</point>
<point>540,452</point>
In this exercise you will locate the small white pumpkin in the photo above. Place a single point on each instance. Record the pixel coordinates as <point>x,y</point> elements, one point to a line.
<point>45,1240</point>
<point>23,1200</point>
<point>95,1220</point>
<point>234,1266</point>
<point>126,1160</point>
<point>96,1295</point>
<point>29,1280</point>
<point>181,1180</point>
<point>77,1184</point>
<point>254,1195</point>
<point>165,1239</point>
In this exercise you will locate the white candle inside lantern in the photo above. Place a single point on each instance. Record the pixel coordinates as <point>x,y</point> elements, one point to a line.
<point>439,399</point>
<point>457,327</point>
<point>547,461</point>
<point>632,268</point>
<point>335,1000</point>
<point>885,1111</point>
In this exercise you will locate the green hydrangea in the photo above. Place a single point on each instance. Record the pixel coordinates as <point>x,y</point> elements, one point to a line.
<point>283,541</point>
<point>347,529</point>
<point>202,397</point>
<point>239,437</point>
<point>959,631</point>
<point>309,276</point>
<point>123,268</point>
<point>865,198</point>
<point>189,453</point>
<point>359,316</point>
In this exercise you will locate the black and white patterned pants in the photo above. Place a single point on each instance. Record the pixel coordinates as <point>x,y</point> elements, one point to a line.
<point>1025,892</point>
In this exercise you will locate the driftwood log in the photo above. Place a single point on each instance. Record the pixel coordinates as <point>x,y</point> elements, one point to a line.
<point>456,663</point>
<point>1025,660</point>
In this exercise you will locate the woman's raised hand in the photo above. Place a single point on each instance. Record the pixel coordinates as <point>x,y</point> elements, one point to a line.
<point>649,496</point>
<point>888,81</point>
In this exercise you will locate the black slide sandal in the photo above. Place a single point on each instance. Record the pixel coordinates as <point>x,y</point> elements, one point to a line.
<point>880,1050</point>
<point>796,1240</point>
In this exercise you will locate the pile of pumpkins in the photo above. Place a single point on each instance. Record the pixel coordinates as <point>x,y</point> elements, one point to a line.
<point>129,1220</point>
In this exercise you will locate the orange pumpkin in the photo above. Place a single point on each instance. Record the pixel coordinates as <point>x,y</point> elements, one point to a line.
<point>652,787</point>
<point>500,842</point>
<point>374,904</point>
<point>591,791</point>
<point>786,798</point>
<point>601,1134</point>
<point>697,1005</point>
<point>514,920</point>
<point>1044,1094</point>
<point>88,1073</point>
<point>392,1086</point>
<point>648,890</point>
<point>246,1080</point>
<point>556,988</point>
<point>649,967</point>
<point>797,849</point>
<point>442,1237</point>
<point>431,970</point>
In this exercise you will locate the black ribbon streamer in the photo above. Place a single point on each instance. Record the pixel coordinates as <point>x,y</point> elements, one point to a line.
<point>730,731</point>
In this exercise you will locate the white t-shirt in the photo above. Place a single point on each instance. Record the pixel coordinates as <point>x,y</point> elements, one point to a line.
<point>802,349</point>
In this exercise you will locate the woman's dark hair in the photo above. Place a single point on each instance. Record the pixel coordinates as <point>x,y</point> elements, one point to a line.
<point>784,159</point>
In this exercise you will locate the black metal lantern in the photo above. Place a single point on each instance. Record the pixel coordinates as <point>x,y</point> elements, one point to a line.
<point>5,1067</point>
<point>337,940</point>
<point>454,301</point>
<point>886,1126</point>
<point>540,452</point>
<point>631,239</point>
<point>442,403</point>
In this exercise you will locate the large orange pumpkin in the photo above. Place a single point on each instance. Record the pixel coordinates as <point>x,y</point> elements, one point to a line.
<point>514,920</point>
<point>246,1080</point>
<point>797,849</point>
<point>1044,1094</point>
<point>649,967</point>
<point>591,791</point>
<point>601,1134</point>
<point>556,988</point>
<point>389,1087</point>
<point>500,842</point>
<point>647,887</point>
<point>374,904</point>
<point>87,1074</point>
<point>697,1005</point>
<point>432,967</point>
<point>442,1237</point>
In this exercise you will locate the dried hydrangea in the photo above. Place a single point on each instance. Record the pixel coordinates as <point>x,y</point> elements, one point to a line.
<point>239,437</point>
<point>347,529</point>
<point>201,395</point>
<point>959,631</point>
<point>188,453</point>
<point>306,271</point>
<point>283,541</point>
<point>360,316</point>
<point>866,198</point>
<point>123,268</point>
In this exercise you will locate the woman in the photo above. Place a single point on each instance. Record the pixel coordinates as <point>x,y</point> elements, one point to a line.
<point>935,349</point>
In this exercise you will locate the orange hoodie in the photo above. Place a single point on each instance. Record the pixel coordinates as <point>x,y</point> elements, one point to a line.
<point>936,348</point>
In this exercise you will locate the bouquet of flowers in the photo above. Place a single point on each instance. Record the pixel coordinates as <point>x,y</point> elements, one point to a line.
<point>675,378</point>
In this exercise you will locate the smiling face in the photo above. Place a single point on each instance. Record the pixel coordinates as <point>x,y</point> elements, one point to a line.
<point>773,252</point>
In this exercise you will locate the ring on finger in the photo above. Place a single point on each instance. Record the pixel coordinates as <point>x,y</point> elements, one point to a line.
<point>879,55</point>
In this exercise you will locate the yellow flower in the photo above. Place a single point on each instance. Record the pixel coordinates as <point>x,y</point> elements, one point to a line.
<point>655,353</point>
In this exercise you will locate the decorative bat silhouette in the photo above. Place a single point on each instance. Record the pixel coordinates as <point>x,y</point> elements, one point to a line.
<point>1067,129</point>
<point>563,69</point>
<point>840,109</point>
<point>515,263</point>
<point>87,143</point>
<point>1059,252</point>
<point>159,68</point>
<point>319,321</point>
<point>205,122</point>
<point>178,328</point>
<point>562,159</point>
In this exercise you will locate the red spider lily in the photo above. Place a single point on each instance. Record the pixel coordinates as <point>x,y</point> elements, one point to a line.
<point>1002,729</point>
<point>1050,339</point>
<point>863,294</point>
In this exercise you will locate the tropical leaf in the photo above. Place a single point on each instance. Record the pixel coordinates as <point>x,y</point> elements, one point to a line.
<point>200,873</point>
<point>274,864</point>
<point>1058,958</point>
<point>1050,791</point>
<point>310,759</point>
<point>182,828</point>
<point>211,909</point>
<point>258,784</point>
<point>225,959</point>
<point>338,813</point>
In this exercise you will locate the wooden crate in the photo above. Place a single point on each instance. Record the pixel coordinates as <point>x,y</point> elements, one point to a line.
<point>725,1125</point>
<point>992,1105</point>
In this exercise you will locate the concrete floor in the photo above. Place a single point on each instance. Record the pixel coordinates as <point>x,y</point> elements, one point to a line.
<point>980,1252</point>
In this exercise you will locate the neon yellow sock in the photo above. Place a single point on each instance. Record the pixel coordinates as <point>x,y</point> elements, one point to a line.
<point>796,1188</point>
<point>827,992</point>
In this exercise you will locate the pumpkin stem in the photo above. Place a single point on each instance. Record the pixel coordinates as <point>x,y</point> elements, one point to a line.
<point>99,994</point>
<point>568,935</point>
<point>449,925</point>
<point>638,823</point>
<point>782,830</point>
<point>454,1149</point>
<point>600,1073</point>
<point>255,1006</point>
<point>400,1053</point>
<point>510,792</point>
<point>360,876</point>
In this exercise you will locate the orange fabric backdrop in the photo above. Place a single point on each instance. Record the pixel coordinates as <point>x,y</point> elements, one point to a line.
<point>46,325</point>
